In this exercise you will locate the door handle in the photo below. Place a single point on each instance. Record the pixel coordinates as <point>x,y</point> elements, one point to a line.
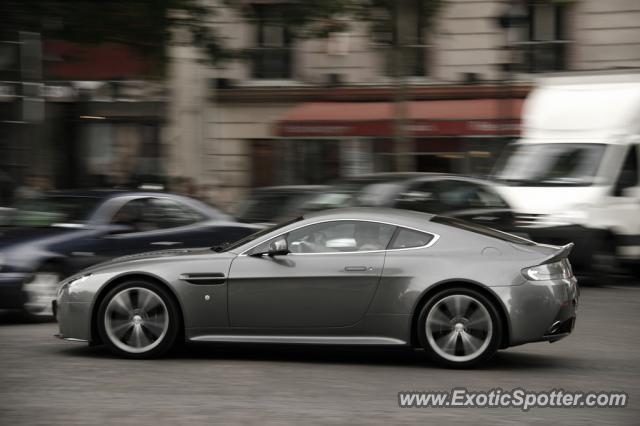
<point>356,268</point>
<point>165,243</point>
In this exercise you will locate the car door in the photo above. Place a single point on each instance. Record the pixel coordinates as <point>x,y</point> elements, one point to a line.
<point>327,280</point>
<point>620,210</point>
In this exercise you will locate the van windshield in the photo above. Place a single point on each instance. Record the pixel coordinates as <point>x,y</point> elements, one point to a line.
<point>550,164</point>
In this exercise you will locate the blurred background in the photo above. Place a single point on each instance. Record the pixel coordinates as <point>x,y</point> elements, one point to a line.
<point>215,97</point>
<point>268,108</point>
<point>201,121</point>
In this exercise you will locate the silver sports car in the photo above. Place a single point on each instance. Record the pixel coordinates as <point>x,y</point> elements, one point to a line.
<point>360,276</point>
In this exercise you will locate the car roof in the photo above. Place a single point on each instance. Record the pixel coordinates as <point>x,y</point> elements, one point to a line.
<point>290,188</point>
<point>380,214</point>
<point>106,193</point>
<point>408,176</point>
<point>383,176</point>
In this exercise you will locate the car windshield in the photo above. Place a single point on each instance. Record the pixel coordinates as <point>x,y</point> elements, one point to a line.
<point>50,211</point>
<point>267,206</point>
<point>550,164</point>
<point>367,193</point>
<point>255,236</point>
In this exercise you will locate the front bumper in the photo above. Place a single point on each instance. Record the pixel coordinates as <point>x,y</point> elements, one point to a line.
<point>11,296</point>
<point>73,320</point>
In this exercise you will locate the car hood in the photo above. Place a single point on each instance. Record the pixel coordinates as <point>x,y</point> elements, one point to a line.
<point>549,199</point>
<point>14,236</point>
<point>148,256</point>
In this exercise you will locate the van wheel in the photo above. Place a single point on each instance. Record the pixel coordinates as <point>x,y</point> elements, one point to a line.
<point>459,328</point>
<point>605,266</point>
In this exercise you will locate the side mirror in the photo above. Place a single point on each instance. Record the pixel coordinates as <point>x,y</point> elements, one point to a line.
<point>278,247</point>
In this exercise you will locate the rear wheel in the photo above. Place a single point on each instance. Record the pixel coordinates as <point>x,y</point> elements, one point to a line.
<point>38,293</point>
<point>138,319</point>
<point>459,328</point>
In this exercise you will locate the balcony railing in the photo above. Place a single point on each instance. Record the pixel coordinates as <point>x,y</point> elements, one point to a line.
<point>541,56</point>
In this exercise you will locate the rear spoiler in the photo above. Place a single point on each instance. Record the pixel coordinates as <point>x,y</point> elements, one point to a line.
<point>560,254</point>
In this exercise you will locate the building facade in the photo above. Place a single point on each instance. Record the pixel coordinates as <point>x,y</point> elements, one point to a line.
<point>76,116</point>
<point>310,110</point>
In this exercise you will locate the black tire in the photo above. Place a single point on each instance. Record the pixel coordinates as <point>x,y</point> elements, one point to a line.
<point>36,299</point>
<point>478,307</point>
<point>110,318</point>
<point>605,268</point>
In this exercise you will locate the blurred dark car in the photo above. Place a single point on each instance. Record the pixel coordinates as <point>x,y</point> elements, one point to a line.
<point>463,197</point>
<point>43,240</point>
<point>275,204</point>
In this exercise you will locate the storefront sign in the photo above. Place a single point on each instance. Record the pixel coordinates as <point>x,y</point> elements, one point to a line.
<point>415,128</point>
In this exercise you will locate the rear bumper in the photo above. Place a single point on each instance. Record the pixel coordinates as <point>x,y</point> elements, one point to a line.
<point>560,329</point>
<point>540,311</point>
<point>11,296</point>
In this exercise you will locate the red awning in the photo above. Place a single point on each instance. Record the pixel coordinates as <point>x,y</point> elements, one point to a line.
<point>470,117</point>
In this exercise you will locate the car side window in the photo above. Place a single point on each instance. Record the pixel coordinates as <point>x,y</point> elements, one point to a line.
<point>164,213</point>
<point>150,214</point>
<point>335,237</point>
<point>130,216</point>
<point>459,195</point>
<point>409,238</point>
<point>422,197</point>
<point>340,236</point>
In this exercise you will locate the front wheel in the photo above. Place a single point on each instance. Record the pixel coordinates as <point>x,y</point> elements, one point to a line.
<point>138,319</point>
<point>459,328</point>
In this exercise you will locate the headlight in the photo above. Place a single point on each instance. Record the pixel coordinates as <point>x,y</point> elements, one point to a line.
<point>74,280</point>
<point>549,271</point>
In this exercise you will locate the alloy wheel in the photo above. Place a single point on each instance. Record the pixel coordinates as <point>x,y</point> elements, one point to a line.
<point>136,320</point>
<point>459,328</point>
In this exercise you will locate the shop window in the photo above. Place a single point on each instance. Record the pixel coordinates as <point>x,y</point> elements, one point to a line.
<point>307,162</point>
<point>119,154</point>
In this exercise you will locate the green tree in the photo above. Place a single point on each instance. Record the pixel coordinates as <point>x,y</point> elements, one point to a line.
<point>147,25</point>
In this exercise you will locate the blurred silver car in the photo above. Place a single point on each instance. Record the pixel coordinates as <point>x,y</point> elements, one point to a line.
<point>350,276</point>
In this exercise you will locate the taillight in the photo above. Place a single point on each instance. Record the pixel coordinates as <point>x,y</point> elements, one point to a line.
<point>549,271</point>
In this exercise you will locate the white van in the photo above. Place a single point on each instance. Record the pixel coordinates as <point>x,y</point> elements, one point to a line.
<point>573,176</point>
